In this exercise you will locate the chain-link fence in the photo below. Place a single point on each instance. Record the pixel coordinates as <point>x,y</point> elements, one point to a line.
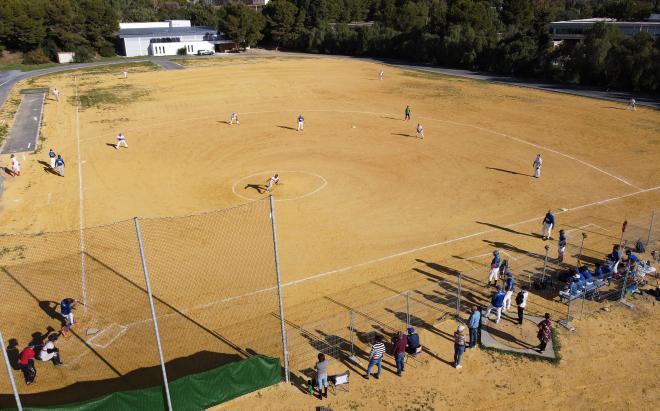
<point>214,288</point>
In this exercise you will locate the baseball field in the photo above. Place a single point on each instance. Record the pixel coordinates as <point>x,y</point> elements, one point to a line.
<point>361,198</point>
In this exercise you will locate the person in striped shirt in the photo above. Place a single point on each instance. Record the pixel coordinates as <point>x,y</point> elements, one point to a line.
<point>376,356</point>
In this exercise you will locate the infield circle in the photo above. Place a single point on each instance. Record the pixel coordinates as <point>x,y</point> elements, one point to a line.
<point>294,185</point>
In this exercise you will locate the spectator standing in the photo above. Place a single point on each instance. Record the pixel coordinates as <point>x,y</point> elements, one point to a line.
<point>474,322</point>
<point>321,369</point>
<point>26,363</point>
<point>376,356</point>
<point>400,343</point>
<point>521,300</point>
<point>545,332</point>
<point>496,303</point>
<point>459,346</point>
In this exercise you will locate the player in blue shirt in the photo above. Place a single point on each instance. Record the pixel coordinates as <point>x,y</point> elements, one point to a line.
<point>301,122</point>
<point>494,268</point>
<point>496,303</point>
<point>52,156</point>
<point>66,309</point>
<point>548,224</point>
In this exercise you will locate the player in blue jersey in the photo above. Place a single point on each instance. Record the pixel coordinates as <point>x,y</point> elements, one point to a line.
<point>301,122</point>
<point>494,268</point>
<point>548,225</point>
<point>66,309</point>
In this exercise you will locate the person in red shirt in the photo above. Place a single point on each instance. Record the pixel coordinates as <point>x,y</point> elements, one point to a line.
<point>400,343</point>
<point>26,363</point>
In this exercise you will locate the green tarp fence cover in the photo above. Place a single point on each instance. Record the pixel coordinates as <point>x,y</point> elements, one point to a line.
<point>192,392</point>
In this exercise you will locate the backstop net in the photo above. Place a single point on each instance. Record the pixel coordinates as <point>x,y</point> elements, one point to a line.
<point>214,288</point>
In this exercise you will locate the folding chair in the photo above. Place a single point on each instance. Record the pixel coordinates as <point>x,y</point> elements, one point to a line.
<point>340,382</point>
<point>414,356</point>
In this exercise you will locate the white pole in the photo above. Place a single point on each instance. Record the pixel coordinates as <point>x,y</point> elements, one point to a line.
<point>11,375</point>
<point>153,313</point>
<point>81,202</point>
<point>279,288</point>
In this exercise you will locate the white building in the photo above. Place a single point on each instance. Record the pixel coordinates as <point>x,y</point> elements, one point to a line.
<point>576,29</point>
<point>168,37</point>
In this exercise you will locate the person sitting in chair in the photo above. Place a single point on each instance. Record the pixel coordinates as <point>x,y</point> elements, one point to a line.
<point>586,275</point>
<point>413,341</point>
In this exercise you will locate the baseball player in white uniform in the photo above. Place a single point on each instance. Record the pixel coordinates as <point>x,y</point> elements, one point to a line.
<point>632,105</point>
<point>125,74</point>
<point>56,94</point>
<point>121,141</point>
<point>15,166</point>
<point>420,131</point>
<point>494,268</point>
<point>234,119</point>
<point>538,162</point>
<point>381,74</point>
<point>272,181</point>
<point>301,122</point>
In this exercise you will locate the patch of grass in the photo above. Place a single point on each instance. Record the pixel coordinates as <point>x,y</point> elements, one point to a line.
<point>141,66</point>
<point>4,130</point>
<point>108,97</point>
<point>25,67</point>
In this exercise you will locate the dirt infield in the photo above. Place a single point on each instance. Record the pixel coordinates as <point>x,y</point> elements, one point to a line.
<point>361,199</point>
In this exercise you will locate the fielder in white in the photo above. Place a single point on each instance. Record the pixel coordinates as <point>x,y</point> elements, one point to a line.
<point>420,131</point>
<point>234,119</point>
<point>381,74</point>
<point>632,105</point>
<point>271,182</point>
<point>301,122</point>
<point>125,74</point>
<point>15,166</point>
<point>121,141</point>
<point>538,162</point>
<point>56,94</point>
<point>548,224</point>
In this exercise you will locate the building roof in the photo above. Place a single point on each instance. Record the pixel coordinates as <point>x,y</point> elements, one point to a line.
<point>166,31</point>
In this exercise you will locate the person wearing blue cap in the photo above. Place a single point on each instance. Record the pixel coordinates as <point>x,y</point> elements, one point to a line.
<point>413,341</point>
<point>509,286</point>
<point>496,303</point>
<point>494,268</point>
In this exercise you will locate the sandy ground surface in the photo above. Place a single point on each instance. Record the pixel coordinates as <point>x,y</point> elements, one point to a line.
<point>357,186</point>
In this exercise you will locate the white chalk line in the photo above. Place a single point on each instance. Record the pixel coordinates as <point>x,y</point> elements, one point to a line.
<point>324,183</point>
<point>381,259</point>
<point>122,330</point>
<point>497,133</point>
<point>540,147</point>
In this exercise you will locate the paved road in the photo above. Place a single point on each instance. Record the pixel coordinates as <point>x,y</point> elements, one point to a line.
<point>169,65</point>
<point>25,130</point>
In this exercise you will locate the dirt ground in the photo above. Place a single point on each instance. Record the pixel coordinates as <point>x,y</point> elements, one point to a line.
<point>361,199</point>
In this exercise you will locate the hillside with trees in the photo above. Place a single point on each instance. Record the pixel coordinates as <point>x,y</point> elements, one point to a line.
<point>500,36</point>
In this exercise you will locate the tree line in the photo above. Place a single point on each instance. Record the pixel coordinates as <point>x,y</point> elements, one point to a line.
<point>501,36</point>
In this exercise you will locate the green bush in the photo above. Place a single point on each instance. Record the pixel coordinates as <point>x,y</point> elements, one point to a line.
<point>83,54</point>
<point>182,51</point>
<point>37,56</point>
<point>2,49</point>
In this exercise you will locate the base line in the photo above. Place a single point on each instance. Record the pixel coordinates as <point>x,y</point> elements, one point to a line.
<point>377,260</point>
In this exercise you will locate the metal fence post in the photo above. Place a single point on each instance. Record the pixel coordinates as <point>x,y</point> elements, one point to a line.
<point>584,297</point>
<point>648,239</point>
<point>407,309</point>
<point>351,330</point>
<point>584,235</point>
<point>279,288</point>
<point>19,406</point>
<point>458,297</point>
<point>153,313</point>
<point>545,263</point>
